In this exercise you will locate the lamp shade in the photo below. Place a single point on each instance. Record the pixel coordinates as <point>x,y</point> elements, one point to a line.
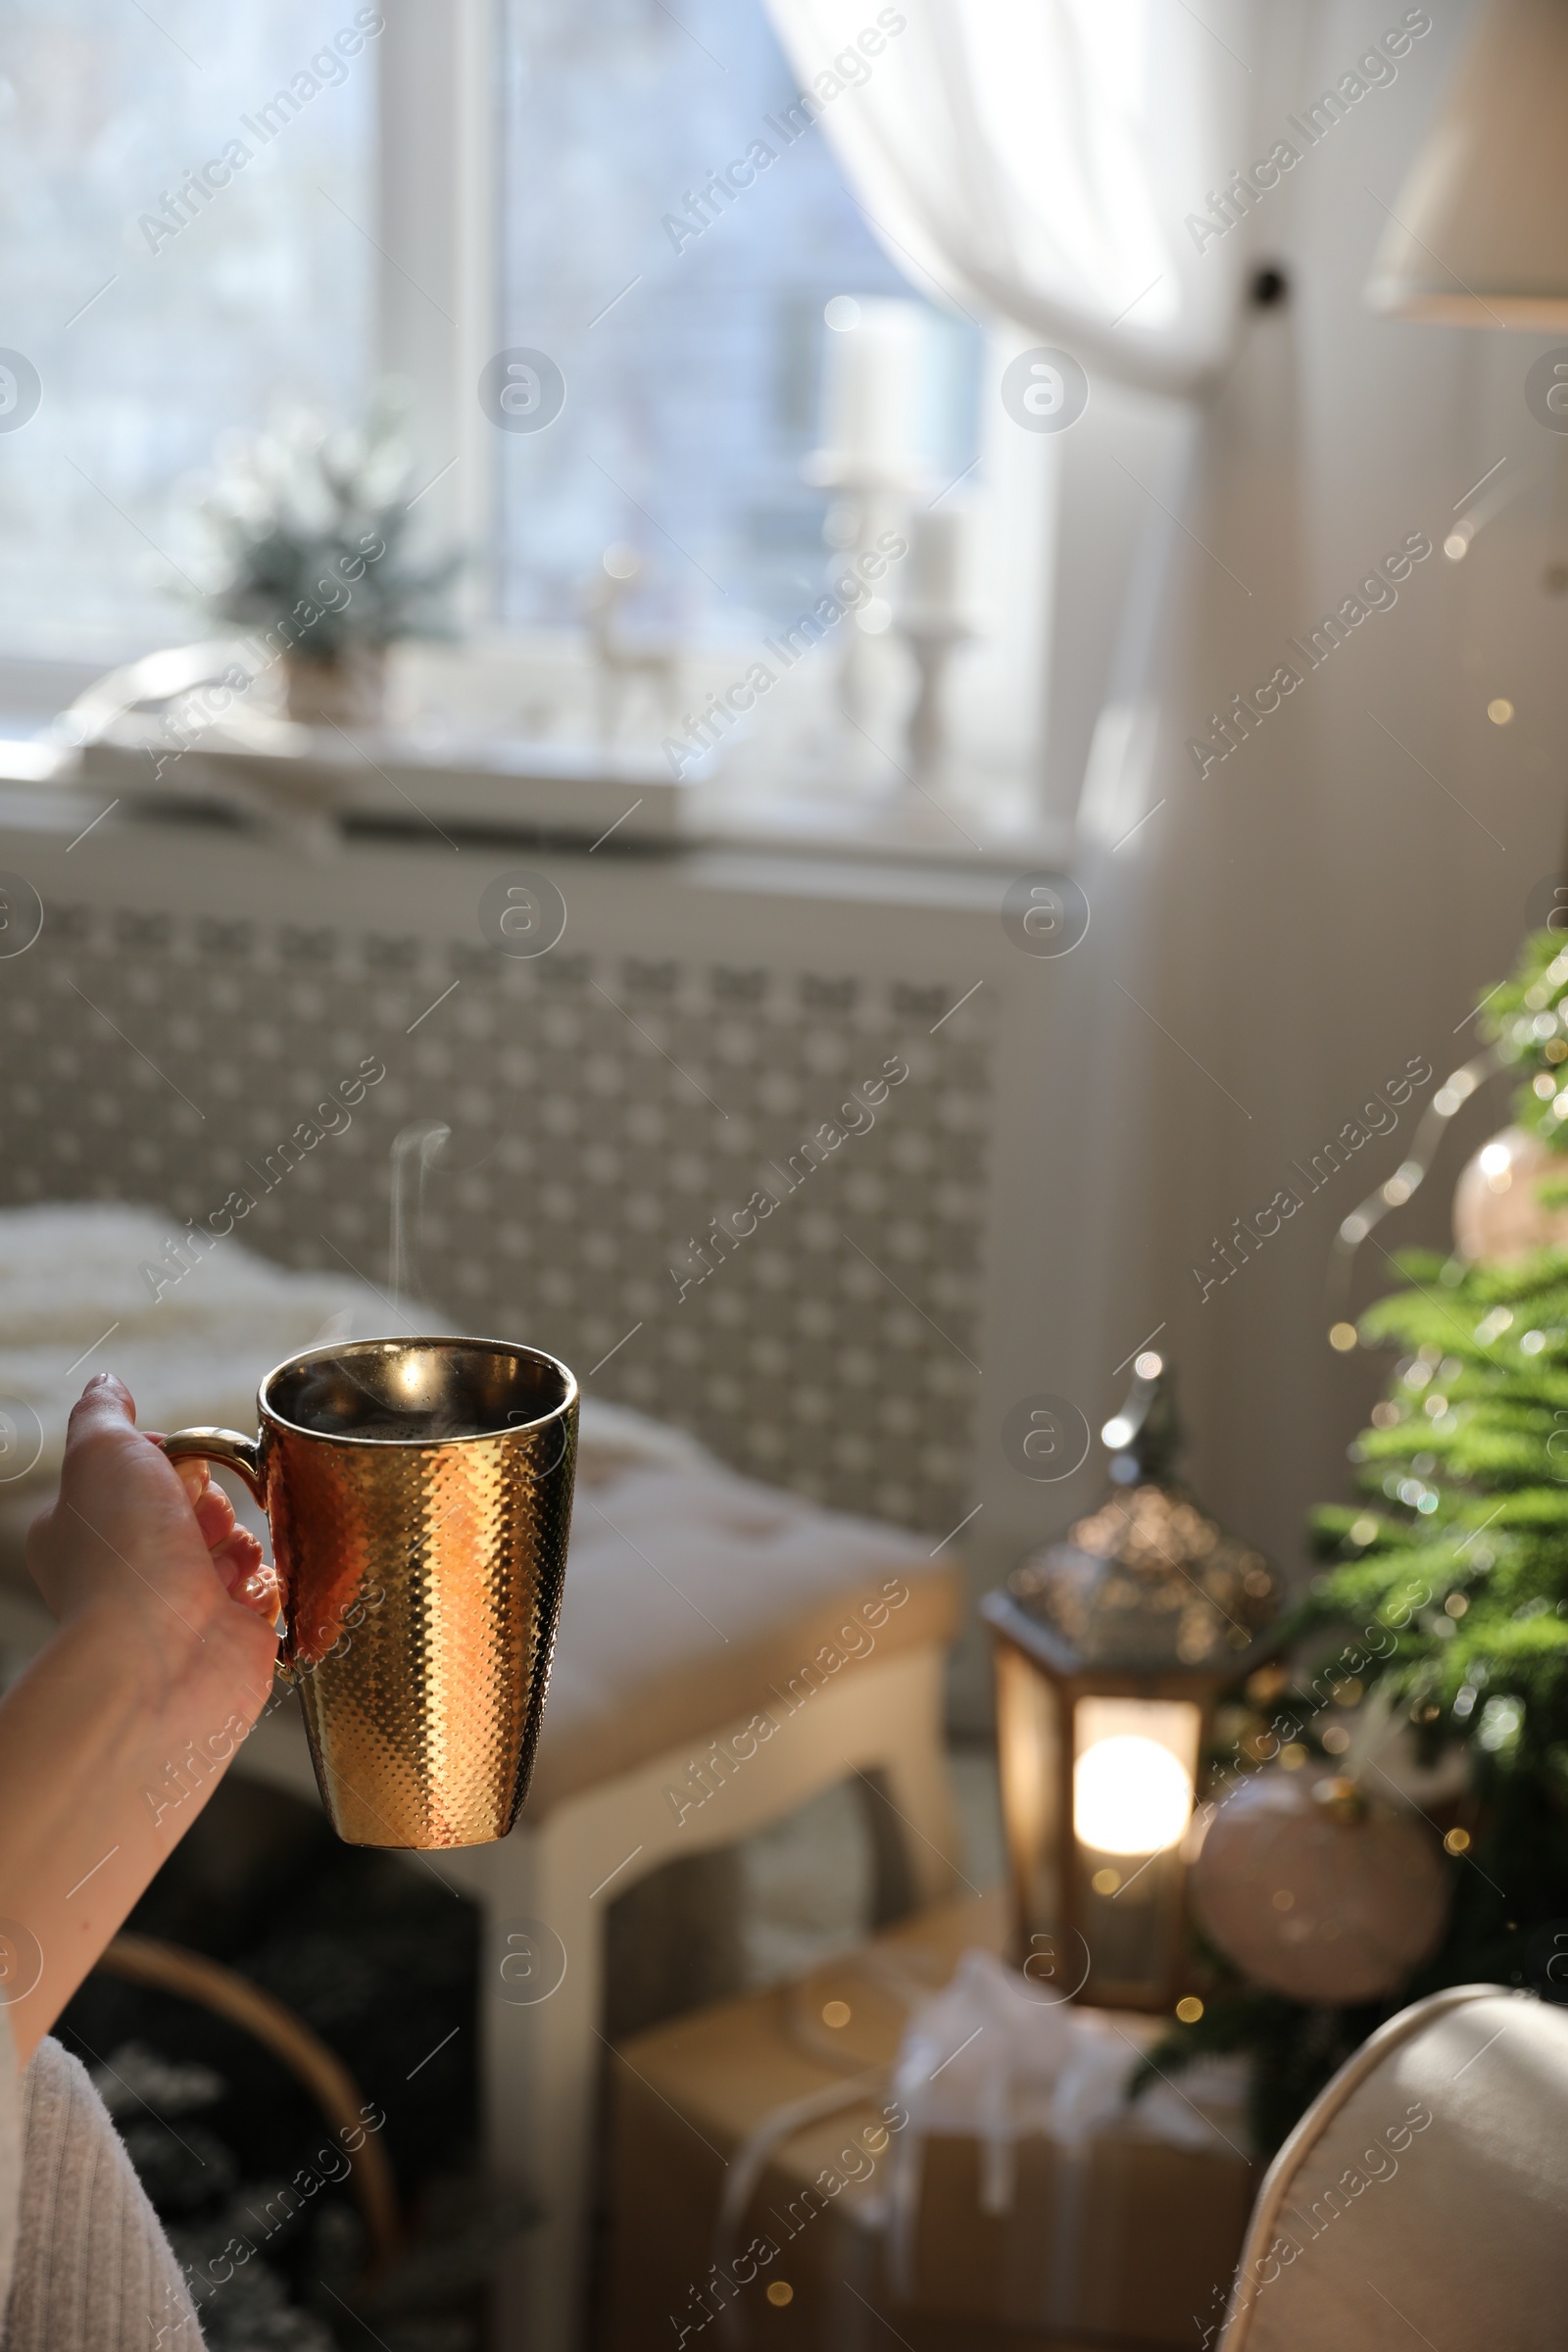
<point>1479,235</point>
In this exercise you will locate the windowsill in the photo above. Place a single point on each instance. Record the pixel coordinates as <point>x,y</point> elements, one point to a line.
<point>495,738</point>
<point>915,826</point>
<point>39,790</point>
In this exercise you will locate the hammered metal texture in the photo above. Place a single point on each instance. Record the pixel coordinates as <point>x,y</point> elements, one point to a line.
<point>423,1584</point>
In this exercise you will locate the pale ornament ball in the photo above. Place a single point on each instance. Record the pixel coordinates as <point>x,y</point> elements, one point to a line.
<point>1316,1891</point>
<point>1498,1211</point>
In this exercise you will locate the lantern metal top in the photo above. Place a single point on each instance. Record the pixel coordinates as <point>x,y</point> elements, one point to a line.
<point>1147,1581</point>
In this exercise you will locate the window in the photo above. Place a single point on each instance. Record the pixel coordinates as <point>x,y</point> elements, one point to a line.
<point>212,218</point>
<point>162,309</point>
<point>684,309</point>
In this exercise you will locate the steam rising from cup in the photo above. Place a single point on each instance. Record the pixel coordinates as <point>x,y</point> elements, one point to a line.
<point>413,1151</point>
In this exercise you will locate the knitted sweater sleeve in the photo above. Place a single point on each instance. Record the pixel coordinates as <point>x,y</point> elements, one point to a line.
<point>83,2261</point>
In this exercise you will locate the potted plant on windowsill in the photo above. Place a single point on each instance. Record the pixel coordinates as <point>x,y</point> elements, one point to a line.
<point>312,528</point>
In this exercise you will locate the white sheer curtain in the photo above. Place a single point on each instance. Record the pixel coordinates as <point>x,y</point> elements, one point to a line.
<point>1037,159</point>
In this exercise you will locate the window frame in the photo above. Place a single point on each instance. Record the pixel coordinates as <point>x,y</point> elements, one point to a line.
<point>439,190</point>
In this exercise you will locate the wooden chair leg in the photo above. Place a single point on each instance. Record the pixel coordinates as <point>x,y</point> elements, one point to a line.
<point>895,1888</point>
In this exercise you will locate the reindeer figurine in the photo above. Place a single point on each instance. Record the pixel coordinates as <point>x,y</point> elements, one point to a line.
<point>619,659</point>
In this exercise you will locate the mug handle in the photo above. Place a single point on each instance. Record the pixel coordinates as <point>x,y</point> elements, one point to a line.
<point>227,1447</point>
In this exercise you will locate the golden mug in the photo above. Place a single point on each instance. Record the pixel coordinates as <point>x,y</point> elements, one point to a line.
<point>419,1497</point>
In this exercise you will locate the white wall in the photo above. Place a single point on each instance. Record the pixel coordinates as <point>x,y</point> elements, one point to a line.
<point>1318,909</point>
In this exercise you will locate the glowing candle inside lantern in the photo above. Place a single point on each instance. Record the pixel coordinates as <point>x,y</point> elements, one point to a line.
<point>1130,1795</point>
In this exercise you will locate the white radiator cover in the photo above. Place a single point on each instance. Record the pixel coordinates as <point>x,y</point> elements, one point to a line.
<point>194,994</point>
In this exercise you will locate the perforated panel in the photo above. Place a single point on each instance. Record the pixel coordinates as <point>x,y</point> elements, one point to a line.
<point>607,1109</point>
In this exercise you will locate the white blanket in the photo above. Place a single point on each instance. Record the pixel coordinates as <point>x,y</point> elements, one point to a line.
<point>88,1286</point>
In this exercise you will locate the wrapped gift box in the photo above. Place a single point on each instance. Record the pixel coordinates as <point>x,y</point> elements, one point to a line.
<point>1129,2240</point>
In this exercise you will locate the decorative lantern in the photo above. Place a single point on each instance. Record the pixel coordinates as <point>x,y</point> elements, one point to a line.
<point>1113,1645</point>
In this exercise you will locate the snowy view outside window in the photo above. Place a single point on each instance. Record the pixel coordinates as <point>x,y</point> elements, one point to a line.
<point>162,310</point>
<point>691,351</point>
<point>160,313</point>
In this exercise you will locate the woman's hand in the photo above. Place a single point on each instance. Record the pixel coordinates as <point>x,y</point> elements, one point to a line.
<point>134,1532</point>
<point>118,1732</point>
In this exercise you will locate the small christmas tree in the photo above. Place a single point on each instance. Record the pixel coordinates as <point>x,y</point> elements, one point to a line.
<point>1452,1574</point>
